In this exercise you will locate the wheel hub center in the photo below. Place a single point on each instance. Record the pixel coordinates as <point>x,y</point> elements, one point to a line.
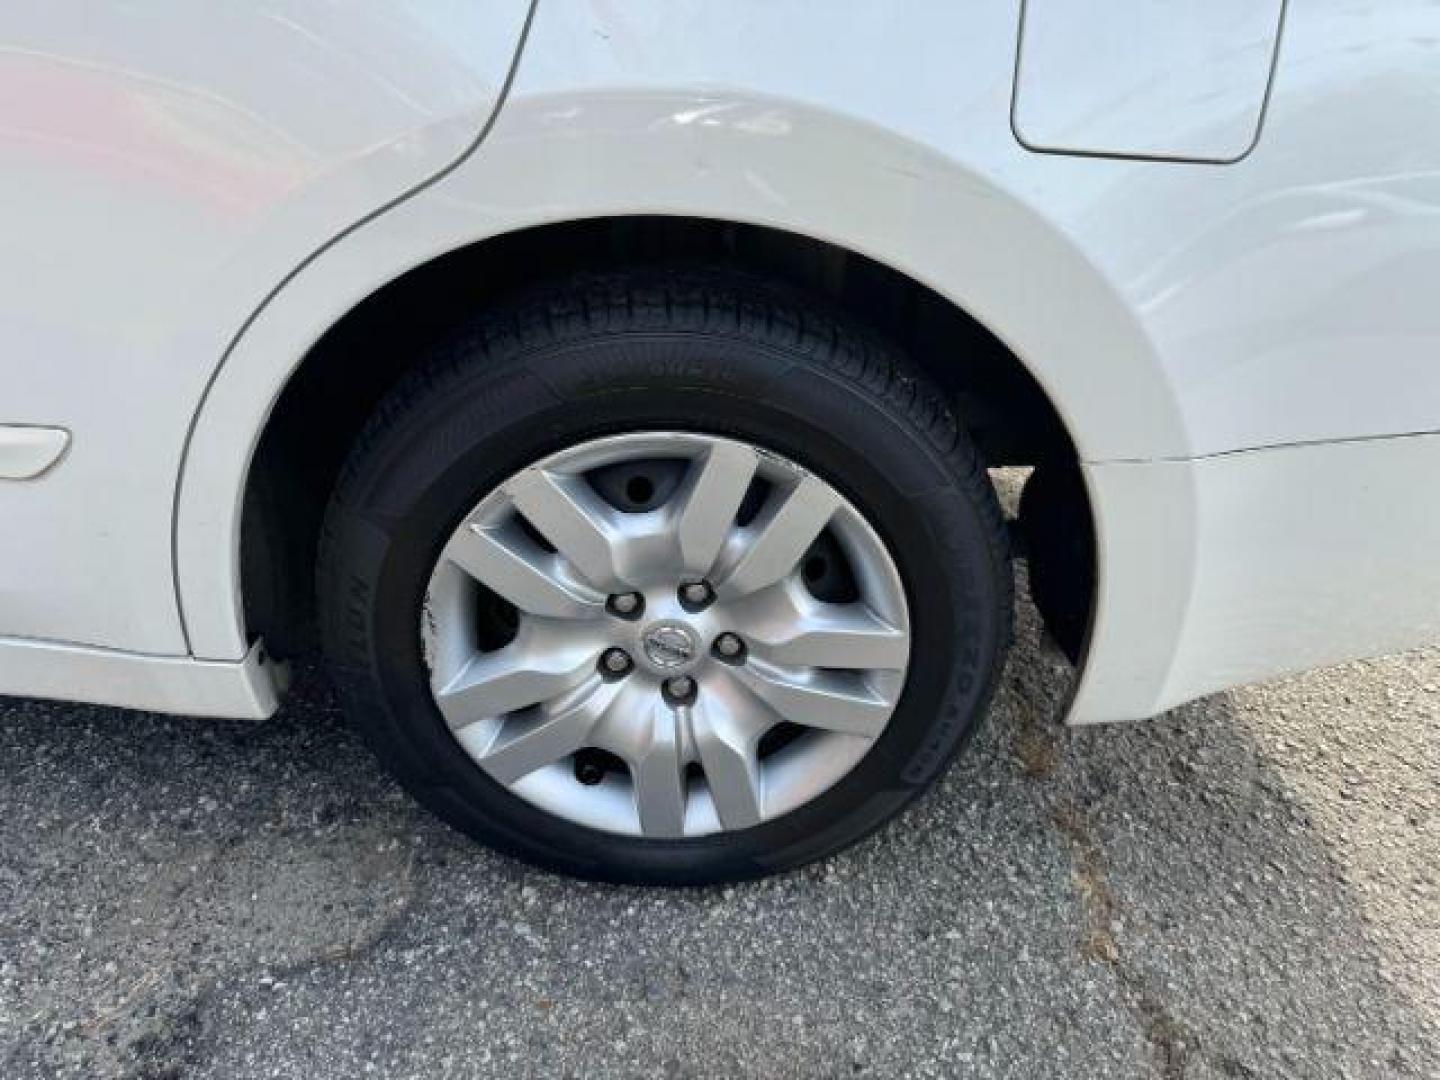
<point>670,646</point>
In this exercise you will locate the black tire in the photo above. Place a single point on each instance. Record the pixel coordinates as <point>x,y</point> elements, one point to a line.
<point>712,352</point>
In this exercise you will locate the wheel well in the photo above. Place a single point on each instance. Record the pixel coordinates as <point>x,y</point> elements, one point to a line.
<point>346,374</point>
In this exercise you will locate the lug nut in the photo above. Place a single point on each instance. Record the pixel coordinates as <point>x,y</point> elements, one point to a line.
<point>625,603</point>
<point>729,646</point>
<point>696,593</point>
<point>615,661</point>
<point>589,771</point>
<point>680,688</point>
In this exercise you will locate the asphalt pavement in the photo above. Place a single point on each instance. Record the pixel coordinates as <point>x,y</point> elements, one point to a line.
<point>1248,887</point>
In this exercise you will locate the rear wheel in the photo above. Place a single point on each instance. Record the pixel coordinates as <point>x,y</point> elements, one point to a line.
<point>665,578</point>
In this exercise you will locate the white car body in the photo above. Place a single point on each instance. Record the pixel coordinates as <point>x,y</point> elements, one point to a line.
<point>1209,230</point>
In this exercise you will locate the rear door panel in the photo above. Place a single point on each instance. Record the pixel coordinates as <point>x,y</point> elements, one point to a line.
<point>164,164</point>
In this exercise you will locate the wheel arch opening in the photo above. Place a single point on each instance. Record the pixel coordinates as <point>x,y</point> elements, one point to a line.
<point>343,378</point>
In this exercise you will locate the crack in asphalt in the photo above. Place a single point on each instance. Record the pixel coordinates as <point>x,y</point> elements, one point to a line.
<point>188,1029</point>
<point>1169,1041</point>
<point>1037,750</point>
<point>400,907</point>
<point>154,1026</point>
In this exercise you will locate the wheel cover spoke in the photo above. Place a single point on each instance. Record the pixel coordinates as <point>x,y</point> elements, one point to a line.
<point>516,677</point>
<point>658,768</point>
<point>830,701</point>
<point>789,626</point>
<point>725,739</point>
<point>520,572</point>
<point>708,508</point>
<point>722,694</point>
<point>781,536</point>
<point>556,731</point>
<point>576,520</point>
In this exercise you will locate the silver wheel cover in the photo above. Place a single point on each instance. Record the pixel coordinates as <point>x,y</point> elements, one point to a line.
<point>654,687</point>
